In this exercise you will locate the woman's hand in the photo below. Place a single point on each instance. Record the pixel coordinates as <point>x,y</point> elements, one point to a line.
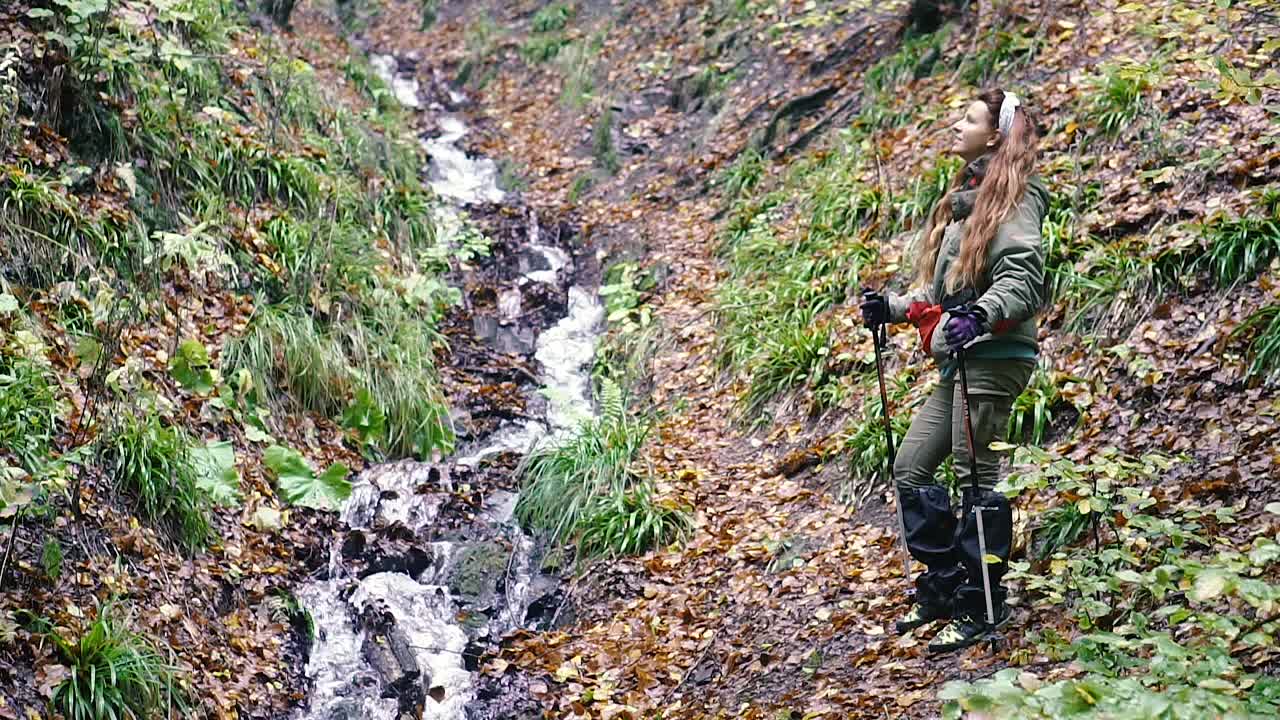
<point>875,309</point>
<point>964,325</point>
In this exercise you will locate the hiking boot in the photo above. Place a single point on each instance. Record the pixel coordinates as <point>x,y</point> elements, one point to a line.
<point>919,615</point>
<point>965,631</point>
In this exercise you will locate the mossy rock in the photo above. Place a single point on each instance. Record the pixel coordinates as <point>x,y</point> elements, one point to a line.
<point>477,571</point>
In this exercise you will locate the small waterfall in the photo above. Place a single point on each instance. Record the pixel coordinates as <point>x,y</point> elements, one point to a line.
<point>395,639</point>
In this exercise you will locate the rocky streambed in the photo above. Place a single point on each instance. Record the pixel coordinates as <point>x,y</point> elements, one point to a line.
<point>430,569</point>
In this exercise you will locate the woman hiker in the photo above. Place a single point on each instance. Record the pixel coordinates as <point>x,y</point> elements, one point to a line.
<point>979,276</point>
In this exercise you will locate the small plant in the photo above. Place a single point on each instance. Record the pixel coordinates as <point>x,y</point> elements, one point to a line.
<point>300,484</point>
<point>742,176</point>
<point>797,357</point>
<point>1241,247</point>
<point>552,18</point>
<point>576,63</point>
<point>602,147</point>
<point>1157,604</point>
<point>1121,95</point>
<point>1002,54</point>
<point>623,292</point>
<point>542,48</point>
<point>51,558</point>
<point>153,463</point>
<point>288,355</point>
<point>482,38</point>
<point>1032,411</point>
<point>865,445</point>
<point>113,673</point>
<point>581,184</point>
<point>28,410</point>
<point>1265,347</point>
<point>430,13</point>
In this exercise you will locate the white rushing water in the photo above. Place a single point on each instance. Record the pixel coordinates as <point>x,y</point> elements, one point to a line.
<point>410,494</point>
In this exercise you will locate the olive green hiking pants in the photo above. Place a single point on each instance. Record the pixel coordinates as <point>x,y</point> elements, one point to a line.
<point>938,430</point>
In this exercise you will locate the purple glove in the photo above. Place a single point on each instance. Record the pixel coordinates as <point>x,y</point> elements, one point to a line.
<point>964,325</point>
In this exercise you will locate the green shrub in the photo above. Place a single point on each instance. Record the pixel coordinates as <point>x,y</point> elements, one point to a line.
<point>153,464</point>
<point>114,673</point>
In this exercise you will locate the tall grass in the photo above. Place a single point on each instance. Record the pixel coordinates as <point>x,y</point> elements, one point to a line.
<point>289,356</point>
<point>384,359</point>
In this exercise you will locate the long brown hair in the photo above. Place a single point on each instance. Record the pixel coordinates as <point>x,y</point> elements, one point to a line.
<point>1002,188</point>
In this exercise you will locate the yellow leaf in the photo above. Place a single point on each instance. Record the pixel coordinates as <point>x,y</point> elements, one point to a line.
<point>1083,506</point>
<point>990,559</point>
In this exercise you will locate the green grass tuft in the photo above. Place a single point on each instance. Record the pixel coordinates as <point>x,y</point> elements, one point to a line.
<point>28,410</point>
<point>1121,95</point>
<point>602,147</point>
<point>797,357</point>
<point>630,523</point>
<point>585,489</point>
<point>114,674</point>
<point>152,463</point>
<point>1264,349</point>
<point>1240,248</point>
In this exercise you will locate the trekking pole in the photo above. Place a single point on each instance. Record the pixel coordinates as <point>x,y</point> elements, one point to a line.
<point>880,335</point>
<point>973,476</point>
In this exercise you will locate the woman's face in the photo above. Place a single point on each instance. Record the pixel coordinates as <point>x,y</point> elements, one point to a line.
<point>975,132</point>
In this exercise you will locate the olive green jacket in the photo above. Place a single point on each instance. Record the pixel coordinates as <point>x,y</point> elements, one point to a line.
<point>1011,290</point>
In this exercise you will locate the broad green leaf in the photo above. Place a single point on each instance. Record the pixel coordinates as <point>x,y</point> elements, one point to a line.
<point>300,485</point>
<point>190,367</point>
<point>216,474</point>
<point>8,304</point>
<point>364,416</point>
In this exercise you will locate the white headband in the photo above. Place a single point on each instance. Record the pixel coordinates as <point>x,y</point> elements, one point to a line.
<point>1007,107</point>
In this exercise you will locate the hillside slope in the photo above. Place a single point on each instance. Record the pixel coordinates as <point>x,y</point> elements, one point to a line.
<point>222,288</point>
